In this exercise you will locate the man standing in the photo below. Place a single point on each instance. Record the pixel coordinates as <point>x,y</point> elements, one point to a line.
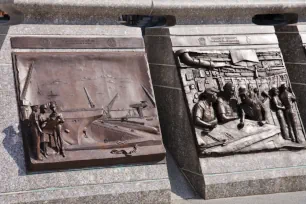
<point>45,137</point>
<point>57,119</point>
<point>203,112</point>
<point>36,131</point>
<point>287,100</point>
<point>277,106</point>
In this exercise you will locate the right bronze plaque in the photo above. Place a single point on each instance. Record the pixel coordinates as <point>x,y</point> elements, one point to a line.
<point>240,101</point>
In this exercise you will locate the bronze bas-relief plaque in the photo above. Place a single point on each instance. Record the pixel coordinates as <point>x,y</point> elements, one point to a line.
<point>240,101</point>
<point>86,109</point>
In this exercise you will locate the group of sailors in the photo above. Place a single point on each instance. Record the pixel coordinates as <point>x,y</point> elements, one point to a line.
<point>216,107</point>
<point>46,130</point>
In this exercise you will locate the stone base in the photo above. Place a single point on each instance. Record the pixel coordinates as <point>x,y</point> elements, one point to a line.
<point>102,158</point>
<point>86,190</point>
<point>215,177</point>
<point>250,174</point>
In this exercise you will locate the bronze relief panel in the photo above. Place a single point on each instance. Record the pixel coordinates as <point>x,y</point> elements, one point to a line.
<point>240,101</point>
<point>86,109</point>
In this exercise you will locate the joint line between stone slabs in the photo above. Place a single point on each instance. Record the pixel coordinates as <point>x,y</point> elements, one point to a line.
<point>152,7</point>
<point>287,32</point>
<point>209,35</point>
<point>226,47</point>
<point>79,50</point>
<point>168,87</point>
<point>297,83</point>
<point>157,64</point>
<point>79,186</point>
<point>91,168</point>
<point>192,172</point>
<point>73,35</point>
<point>185,176</point>
<point>257,170</point>
<point>188,181</point>
<point>296,63</point>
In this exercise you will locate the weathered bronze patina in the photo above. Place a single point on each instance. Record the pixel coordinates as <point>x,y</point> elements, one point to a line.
<point>86,109</point>
<point>240,101</point>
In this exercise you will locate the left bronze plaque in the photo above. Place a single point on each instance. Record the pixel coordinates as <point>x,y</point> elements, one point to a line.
<point>86,109</point>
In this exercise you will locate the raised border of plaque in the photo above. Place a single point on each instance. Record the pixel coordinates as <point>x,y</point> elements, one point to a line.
<point>75,42</point>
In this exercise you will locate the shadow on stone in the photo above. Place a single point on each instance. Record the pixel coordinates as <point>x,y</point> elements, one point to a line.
<point>12,142</point>
<point>180,187</point>
<point>3,32</point>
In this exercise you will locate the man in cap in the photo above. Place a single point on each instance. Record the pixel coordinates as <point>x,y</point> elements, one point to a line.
<point>250,109</point>
<point>203,112</point>
<point>227,104</point>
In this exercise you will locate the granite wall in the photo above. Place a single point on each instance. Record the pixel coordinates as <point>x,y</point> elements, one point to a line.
<point>147,183</point>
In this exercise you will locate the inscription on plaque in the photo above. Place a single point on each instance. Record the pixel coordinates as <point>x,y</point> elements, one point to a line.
<point>224,40</point>
<point>206,41</point>
<point>202,41</point>
<point>86,109</point>
<point>76,42</point>
<point>245,102</point>
<point>111,42</point>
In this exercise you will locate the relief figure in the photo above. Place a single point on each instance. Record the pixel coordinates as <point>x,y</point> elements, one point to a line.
<point>204,113</point>
<point>35,131</point>
<point>56,119</point>
<point>277,106</point>
<point>287,98</point>
<point>250,109</point>
<point>227,104</point>
<point>44,138</point>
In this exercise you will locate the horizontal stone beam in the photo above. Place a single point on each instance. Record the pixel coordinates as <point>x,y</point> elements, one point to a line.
<point>181,5</point>
<point>214,11</point>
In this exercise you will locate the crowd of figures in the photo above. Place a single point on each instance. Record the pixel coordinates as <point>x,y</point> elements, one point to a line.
<point>216,107</point>
<point>46,130</point>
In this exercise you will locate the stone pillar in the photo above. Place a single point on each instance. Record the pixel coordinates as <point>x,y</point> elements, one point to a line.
<point>262,172</point>
<point>292,43</point>
<point>116,184</point>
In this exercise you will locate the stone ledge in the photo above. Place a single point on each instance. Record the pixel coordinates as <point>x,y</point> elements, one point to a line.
<point>186,11</point>
<point>254,174</point>
<point>151,191</point>
<point>71,30</point>
<point>255,183</point>
<point>252,162</point>
<point>173,5</point>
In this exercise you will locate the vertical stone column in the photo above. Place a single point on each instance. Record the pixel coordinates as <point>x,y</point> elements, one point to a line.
<point>292,40</point>
<point>117,184</point>
<point>230,175</point>
<point>174,117</point>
